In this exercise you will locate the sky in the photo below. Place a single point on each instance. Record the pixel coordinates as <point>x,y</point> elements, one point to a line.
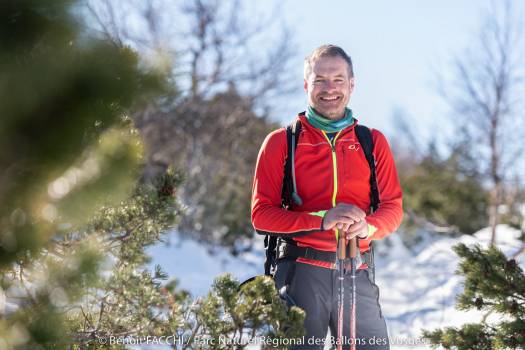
<point>400,49</point>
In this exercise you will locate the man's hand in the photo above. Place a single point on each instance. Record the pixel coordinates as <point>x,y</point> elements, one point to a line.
<point>342,217</point>
<point>359,229</point>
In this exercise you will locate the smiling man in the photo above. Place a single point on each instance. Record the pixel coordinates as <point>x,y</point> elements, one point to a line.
<point>333,193</point>
<point>329,82</point>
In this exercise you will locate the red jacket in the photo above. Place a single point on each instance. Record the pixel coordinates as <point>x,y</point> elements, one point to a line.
<point>324,179</point>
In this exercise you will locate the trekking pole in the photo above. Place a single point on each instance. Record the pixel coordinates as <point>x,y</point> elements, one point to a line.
<point>341,257</point>
<point>353,262</point>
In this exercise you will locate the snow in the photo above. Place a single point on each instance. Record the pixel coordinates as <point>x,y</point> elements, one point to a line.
<point>195,267</point>
<point>418,285</point>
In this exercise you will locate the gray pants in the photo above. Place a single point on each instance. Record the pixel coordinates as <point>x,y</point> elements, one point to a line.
<point>315,290</point>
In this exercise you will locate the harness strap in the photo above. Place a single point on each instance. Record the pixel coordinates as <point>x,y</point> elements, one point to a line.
<point>287,251</point>
<point>290,251</point>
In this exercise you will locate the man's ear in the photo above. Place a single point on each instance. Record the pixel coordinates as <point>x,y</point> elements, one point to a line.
<point>352,84</point>
<point>305,85</point>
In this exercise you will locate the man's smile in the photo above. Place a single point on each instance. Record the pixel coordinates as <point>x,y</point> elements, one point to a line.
<point>330,98</point>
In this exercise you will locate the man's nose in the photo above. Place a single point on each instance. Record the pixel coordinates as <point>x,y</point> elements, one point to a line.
<point>329,86</point>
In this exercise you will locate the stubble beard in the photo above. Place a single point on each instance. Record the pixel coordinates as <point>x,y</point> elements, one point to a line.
<point>331,114</point>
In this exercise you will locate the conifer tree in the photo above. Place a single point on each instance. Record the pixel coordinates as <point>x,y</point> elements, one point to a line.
<point>131,302</point>
<point>493,284</point>
<point>445,192</point>
<point>74,221</point>
<point>66,146</point>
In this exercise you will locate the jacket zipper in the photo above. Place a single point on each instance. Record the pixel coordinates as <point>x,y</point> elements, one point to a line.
<point>334,162</point>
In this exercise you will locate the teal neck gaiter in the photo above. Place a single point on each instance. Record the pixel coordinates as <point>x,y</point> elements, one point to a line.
<point>326,124</point>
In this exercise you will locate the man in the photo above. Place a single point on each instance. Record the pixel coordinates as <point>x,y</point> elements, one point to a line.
<point>332,180</point>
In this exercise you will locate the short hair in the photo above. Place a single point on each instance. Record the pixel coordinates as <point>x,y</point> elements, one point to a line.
<point>327,51</point>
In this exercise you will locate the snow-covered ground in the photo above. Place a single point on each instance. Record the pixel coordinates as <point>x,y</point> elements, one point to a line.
<point>418,286</point>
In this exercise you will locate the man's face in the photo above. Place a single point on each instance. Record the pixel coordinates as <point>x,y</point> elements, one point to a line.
<point>329,87</point>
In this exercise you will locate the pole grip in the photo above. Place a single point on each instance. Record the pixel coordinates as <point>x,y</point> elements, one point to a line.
<point>341,247</point>
<point>353,248</point>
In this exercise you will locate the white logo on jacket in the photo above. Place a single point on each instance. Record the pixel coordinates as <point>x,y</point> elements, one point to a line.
<point>354,147</point>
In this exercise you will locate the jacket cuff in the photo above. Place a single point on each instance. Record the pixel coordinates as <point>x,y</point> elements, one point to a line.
<point>320,214</point>
<point>371,230</point>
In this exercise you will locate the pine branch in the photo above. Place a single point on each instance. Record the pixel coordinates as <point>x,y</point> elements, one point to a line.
<point>86,319</point>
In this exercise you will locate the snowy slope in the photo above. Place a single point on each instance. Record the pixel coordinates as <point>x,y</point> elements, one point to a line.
<point>418,286</point>
<point>419,289</point>
<point>196,268</point>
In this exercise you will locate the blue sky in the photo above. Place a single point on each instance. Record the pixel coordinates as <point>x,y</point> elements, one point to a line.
<point>399,48</point>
